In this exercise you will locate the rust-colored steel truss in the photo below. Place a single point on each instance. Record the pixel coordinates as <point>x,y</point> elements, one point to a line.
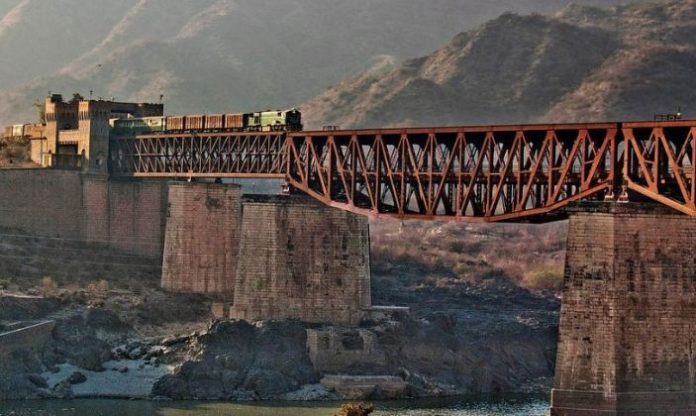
<point>204,155</point>
<point>488,173</point>
<point>660,162</point>
<point>491,173</point>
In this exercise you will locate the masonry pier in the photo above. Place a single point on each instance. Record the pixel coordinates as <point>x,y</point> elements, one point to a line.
<point>272,256</point>
<point>627,343</point>
<point>201,242</point>
<point>301,260</point>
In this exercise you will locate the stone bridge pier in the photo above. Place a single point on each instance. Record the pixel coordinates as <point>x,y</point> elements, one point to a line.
<point>627,342</point>
<point>272,257</point>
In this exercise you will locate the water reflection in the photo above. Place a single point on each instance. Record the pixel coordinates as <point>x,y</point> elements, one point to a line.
<point>469,406</point>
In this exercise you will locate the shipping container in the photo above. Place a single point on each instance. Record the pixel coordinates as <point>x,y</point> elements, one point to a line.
<point>215,122</point>
<point>175,123</point>
<point>235,121</point>
<point>7,132</point>
<point>195,122</point>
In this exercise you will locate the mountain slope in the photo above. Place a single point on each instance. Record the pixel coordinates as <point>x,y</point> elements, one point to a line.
<point>218,55</point>
<point>582,64</point>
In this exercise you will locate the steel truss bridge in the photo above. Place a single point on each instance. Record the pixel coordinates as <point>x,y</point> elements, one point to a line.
<point>488,173</point>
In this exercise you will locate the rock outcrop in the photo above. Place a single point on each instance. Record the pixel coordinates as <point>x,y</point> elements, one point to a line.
<point>238,360</point>
<point>437,356</point>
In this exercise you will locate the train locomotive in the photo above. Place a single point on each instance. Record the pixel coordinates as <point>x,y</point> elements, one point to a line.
<point>270,120</point>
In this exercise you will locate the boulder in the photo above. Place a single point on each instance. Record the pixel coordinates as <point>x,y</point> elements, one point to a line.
<point>38,381</point>
<point>91,357</point>
<point>135,353</point>
<point>171,386</point>
<point>63,390</point>
<point>76,378</point>
<point>311,392</point>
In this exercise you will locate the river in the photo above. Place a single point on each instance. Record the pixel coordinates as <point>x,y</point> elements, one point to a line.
<point>469,406</point>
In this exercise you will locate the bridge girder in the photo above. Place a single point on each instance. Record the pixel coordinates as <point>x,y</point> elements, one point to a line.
<point>489,173</point>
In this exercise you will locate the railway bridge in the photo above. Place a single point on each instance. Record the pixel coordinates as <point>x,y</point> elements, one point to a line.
<point>489,173</point>
<point>627,334</point>
<point>627,342</point>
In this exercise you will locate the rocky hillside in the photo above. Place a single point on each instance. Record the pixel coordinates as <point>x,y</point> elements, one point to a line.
<point>219,55</point>
<point>584,63</point>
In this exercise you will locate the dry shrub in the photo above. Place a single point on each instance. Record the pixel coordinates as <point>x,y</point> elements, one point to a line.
<point>470,251</point>
<point>351,409</point>
<point>546,277</point>
<point>48,288</point>
<point>97,292</point>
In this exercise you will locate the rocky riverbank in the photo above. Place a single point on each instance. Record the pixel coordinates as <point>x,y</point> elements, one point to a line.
<point>460,348</point>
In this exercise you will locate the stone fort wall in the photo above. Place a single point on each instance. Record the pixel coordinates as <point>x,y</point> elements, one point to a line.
<point>128,216</point>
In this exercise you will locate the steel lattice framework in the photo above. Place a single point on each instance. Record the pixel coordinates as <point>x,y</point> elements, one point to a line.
<point>490,173</point>
<point>661,162</point>
<point>213,155</point>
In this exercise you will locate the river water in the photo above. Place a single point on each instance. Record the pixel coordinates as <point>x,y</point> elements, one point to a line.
<point>470,406</point>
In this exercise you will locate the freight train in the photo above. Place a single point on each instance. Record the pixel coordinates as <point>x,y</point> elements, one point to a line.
<point>270,120</point>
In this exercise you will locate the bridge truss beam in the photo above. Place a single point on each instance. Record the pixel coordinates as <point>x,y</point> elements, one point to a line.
<point>201,155</point>
<point>490,173</point>
<point>661,162</point>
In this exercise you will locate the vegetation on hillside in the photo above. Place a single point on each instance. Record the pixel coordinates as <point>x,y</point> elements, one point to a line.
<point>583,64</point>
<point>219,55</point>
<point>447,254</point>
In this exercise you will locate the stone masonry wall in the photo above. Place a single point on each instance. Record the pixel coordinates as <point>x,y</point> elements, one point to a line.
<point>299,259</point>
<point>335,350</point>
<point>41,202</point>
<point>202,238</point>
<point>128,216</point>
<point>627,333</point>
